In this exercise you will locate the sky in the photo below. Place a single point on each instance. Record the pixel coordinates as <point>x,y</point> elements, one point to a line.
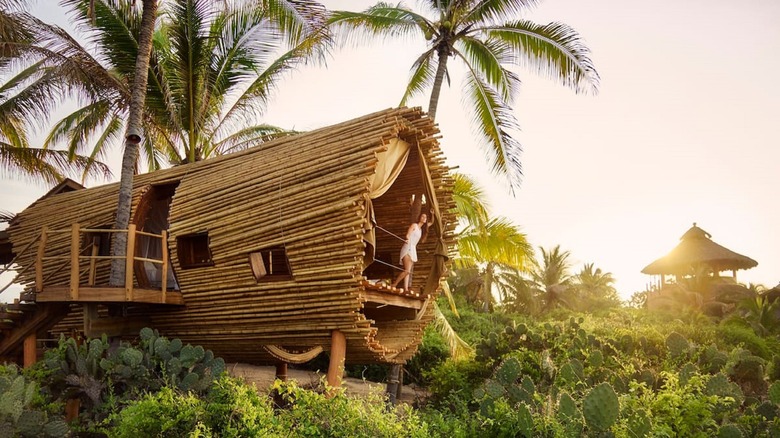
<point>684,129</point>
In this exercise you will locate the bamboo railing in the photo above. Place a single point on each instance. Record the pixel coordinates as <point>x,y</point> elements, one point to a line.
<point>76,256</point>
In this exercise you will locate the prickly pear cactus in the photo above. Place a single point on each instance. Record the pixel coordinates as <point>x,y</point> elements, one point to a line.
<point>16,416</point>
<point>509,371</point>
<point>569,415</point>
<point>729,431</point>
<point>525,420</point>
<point>686,372</point>
<point>774,392</point>
<point>720,385</point>
<point>595,358</point>
<point>677,345</point>
<point>601,407</point>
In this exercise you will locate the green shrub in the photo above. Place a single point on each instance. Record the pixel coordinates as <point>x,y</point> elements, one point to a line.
<point>23,411</point>
<point>735,334</point>
<point>312,414</point>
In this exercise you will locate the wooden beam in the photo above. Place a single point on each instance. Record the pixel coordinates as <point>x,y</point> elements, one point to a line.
<point>392,300</point>
<point>164,248</point>
<point>281,371</point>
<point>43,319</point>
<point>338,353</point>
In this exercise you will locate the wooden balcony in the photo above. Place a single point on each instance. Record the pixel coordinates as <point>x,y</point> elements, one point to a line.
<point>81,286</point>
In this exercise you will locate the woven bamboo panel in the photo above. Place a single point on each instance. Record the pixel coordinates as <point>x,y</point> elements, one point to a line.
<point>305,193</point>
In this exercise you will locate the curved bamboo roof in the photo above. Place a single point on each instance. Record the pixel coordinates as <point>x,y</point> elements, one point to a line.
<point>696,249</point>
<point>308,193</point>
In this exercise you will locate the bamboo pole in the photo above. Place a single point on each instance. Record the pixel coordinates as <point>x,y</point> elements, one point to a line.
<point>164,246</point>
<point>74,261</point>
<point>129,263</point>
<point>39,259</point>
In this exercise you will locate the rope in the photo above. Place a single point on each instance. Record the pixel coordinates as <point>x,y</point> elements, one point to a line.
<point>387,264</point>
<point>394,235</point>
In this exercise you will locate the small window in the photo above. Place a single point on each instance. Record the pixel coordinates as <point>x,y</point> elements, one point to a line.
<point>193,250</point>
<point>270,264</point>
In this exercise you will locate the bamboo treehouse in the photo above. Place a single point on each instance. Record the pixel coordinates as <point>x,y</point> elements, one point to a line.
<point>269,255</point>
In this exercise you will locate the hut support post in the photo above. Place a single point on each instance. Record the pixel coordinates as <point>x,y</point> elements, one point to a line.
<point>281,371</point>
<point>393,383</point>
<point>338,352</point>
<point>30,350</point>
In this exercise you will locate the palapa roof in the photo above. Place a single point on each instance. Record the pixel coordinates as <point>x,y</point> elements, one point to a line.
<point>697,249</point>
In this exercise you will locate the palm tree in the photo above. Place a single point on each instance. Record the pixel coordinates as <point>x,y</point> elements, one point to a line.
<point>490,252</point>
<point>488,39</point>
<point>595,288</point>
<point>551,278</point>
<point>17,157</point>
<point>210,74</point>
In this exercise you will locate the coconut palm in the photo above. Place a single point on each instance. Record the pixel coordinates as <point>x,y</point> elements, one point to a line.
<point>488,39</point>
<point>17,157</point>
<point>595,288</point>
<point>550,277</point>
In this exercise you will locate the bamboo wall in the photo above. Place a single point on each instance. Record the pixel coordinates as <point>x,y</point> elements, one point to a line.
<point>305,192</point>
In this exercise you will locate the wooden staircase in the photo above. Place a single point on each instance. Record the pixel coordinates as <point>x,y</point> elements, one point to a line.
<point>24,320</point>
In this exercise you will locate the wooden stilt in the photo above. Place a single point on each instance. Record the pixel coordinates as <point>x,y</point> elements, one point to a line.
<point>281,371</point>
<point>392,383</point>
<point>338,352</point>
<point>30,350</point>
<point>72,409</point>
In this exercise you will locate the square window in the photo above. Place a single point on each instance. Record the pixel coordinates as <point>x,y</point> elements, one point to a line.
<point>270,264</point>
<point>193,250</point>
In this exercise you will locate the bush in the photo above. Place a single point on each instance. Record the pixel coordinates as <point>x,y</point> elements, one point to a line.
<point>315,415</point>
<point>231,409</point>
<point>735,334</point>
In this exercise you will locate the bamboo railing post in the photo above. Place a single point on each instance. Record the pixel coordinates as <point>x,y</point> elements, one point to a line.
<point>39,259</point>
<point>74,261</point>
<point>92,264</point>
<point>129,262</point>
<point>164,248</point>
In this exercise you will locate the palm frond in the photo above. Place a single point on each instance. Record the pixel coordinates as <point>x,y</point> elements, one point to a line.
<point>297,20</point>
<point>469,201</point>
<point>554,50</point>
<point>493,121</point>
<point>494,11</point>
<point>459,349</point>
<point>382,19</point>
<point>250,137</point>
<point>488,58</point>
<point>422,76</point>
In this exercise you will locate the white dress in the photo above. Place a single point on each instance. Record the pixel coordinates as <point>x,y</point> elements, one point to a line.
<point>410,247</point>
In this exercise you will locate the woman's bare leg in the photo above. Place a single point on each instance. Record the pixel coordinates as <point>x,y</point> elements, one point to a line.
<point>404,275</point>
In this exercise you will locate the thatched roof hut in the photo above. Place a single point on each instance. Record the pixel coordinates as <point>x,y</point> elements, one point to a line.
<point>697,250</point>
<point>265,253</point>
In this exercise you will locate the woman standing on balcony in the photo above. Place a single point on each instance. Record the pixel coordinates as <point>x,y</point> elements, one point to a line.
<point>417,232</point>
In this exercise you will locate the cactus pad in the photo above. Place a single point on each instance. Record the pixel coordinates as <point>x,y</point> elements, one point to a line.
<point>601,407</point>
<point>677,344</point>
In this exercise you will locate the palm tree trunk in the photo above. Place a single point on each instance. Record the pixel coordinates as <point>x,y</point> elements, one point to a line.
<point>441,69</point>
<point>132,139</point>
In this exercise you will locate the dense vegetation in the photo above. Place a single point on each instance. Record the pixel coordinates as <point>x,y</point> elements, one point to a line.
<point>622,372</point>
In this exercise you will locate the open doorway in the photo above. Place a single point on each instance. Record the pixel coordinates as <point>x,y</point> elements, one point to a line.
<point>152,217</point>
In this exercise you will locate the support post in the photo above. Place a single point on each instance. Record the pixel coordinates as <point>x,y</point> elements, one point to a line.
<point>39,259</point>
<point>393,376</point>
<point>164,248</point>
<point>30,350</point>
<point>90,315</point>
<point>129,262</point>
<point>93,263</point>
<point>338,352</point>
<point>281,371</point>
<point>74,261</point>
